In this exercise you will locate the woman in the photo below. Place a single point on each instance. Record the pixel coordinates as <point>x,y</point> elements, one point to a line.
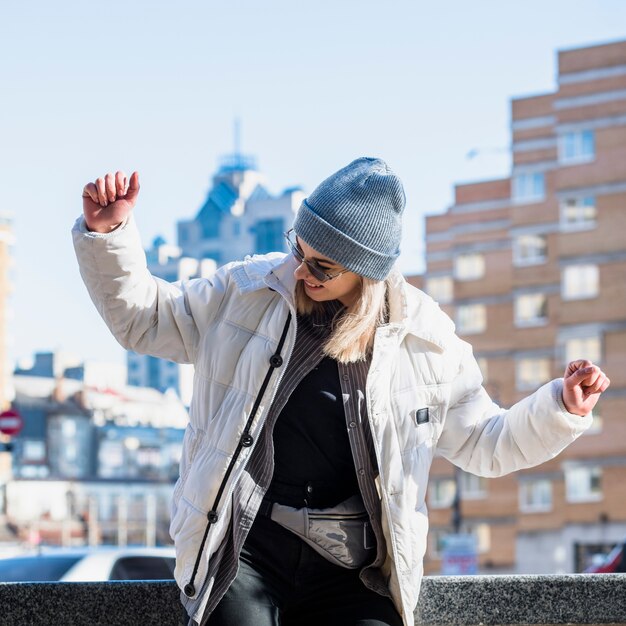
<point>323,385</point>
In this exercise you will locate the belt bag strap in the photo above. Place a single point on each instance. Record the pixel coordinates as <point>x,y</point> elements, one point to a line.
<point>341,534</point>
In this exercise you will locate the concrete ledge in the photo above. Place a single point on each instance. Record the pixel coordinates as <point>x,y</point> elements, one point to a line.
<point>518,600</point>
<point>466,600</point>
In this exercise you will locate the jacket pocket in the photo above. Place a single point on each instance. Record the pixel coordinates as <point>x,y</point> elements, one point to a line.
<point>191,441</point>
<point>187,529</point>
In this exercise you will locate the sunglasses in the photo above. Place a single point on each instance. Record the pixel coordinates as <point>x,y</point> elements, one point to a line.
<point>316,270</point>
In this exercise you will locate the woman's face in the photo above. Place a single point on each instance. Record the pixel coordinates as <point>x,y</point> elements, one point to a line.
<point>346,287</point>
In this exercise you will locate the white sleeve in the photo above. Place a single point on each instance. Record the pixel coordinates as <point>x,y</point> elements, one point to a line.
<point>487,440</point>
<point>145,314</point>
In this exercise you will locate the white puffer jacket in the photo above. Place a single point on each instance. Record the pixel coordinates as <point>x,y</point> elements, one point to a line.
<point>230,326</point>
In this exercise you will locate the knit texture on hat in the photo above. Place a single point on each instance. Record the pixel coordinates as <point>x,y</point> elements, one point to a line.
<point>354,217</point>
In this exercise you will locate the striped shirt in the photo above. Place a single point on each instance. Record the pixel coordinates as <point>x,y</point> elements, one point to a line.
<point>312,331</point>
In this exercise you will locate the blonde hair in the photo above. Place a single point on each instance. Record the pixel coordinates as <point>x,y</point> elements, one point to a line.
<point>352,336</point>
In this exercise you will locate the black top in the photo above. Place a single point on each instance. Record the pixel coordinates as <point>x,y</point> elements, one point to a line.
<point>312,455</point>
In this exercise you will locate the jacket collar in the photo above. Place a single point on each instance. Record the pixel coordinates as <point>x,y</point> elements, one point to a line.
<point>411,311</point>
<point>273,270</point>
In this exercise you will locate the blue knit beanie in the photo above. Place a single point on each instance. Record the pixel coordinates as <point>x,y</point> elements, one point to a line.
<point>354,218</point>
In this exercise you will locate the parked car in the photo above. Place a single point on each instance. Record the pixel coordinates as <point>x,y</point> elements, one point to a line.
<point>90,564</point>
<point>613,563</point>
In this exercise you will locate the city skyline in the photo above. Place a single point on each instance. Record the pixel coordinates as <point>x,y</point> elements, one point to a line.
<point>422,89</point>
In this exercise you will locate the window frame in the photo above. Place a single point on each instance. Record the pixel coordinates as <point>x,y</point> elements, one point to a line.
<point>580,204</point>
<point>439,294</point>
<point>577,272</point>
<point>590,495</point>
<point>531,385</point>
<point>573,145</point>
<point>473,487</point>
<point>531,506</point>
<point>434,499</point>
<point>526,188</point>
<point>472,330</point>
<point>540,320</point>
<point>520,260</point>
<point>585,351</point>
<point>478,259</point>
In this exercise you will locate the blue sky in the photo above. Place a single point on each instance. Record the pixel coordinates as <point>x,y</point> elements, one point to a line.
<point>89,87</point>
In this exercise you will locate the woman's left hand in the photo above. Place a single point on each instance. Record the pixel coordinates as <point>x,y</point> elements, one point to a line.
<point>583,382</point>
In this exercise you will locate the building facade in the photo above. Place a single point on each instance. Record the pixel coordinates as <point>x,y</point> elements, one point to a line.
<point>239,217</point>
<point>532,268</point>
<point>95,461</point>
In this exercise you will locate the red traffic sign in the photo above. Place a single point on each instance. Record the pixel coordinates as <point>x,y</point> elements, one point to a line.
<point>11,422</point>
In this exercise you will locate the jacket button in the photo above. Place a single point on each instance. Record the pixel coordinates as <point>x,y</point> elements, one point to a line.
<point>212,517</point>
<point>276,360</point>
<point>247,441</point>
<point>189,590</point>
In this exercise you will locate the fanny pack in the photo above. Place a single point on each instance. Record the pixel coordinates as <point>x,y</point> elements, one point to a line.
<point>342,534</point>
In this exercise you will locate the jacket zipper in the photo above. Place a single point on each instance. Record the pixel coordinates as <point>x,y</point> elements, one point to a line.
<point>338,516</point>
<point>384,494</point>
<point>244,442</point>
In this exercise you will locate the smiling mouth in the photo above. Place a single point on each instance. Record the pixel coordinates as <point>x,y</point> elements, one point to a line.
<point>311,286</point>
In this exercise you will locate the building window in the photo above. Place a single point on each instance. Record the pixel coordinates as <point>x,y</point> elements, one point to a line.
<point>438,537</point>
<point>471,318</point>
<point>577,146</point>
<point>482,534</point>
<point>469,266</point>
<point>580,281</point>
<point>531,309</point>
<point>269,236</point>
<point>440,288</point>
<point>578,213</point>
<point>472,486</point>
<point>583,484</point>
<point>441,492</point>
<point>531,373</point>
<point>535,496</point>
<point>588,348</point>
<point>528,187</point>
<point>33,451</point>
<point>530,250</point>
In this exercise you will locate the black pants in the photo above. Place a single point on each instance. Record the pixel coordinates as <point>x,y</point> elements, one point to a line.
<point>281,580</point>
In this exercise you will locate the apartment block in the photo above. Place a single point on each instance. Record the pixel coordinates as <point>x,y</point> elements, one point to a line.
<point>532,268</point>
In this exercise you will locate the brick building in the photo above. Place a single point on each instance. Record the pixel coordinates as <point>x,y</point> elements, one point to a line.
<point>532,268</point>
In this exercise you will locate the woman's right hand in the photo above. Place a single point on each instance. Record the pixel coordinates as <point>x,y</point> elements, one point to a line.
<point>108,202</point>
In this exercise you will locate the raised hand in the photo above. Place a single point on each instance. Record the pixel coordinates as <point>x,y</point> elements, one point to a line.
<point>109,201</point>
<point>583,382</point>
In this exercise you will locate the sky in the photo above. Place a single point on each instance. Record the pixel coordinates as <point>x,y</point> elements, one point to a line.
<point>87,88</point>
